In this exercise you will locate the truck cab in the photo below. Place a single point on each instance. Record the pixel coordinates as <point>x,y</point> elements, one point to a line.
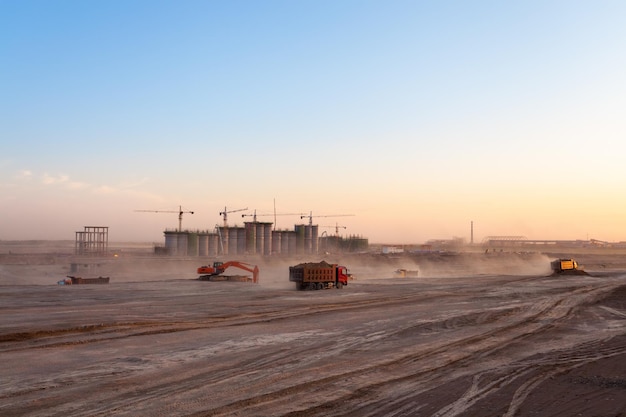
<point>343,275</point>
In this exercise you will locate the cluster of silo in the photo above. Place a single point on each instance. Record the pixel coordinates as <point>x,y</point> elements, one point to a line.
<point>258,238</point>
<point>208,244</point>
<point>255,238</point>
<point>176,243</point>
<point>306,238</point>
<point>284,242</point>
<point>232,240</point>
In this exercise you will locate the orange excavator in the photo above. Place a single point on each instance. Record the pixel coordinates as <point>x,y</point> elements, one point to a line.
<point>214,273</point>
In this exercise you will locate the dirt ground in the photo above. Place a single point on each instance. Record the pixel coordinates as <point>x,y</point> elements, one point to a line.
<point>475,334</point>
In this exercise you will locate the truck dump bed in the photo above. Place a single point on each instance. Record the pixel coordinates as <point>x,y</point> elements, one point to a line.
<point>79,280</point>
<point>312,272</point>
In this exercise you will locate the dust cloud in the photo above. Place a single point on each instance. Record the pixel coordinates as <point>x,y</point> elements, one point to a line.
<point>449,265</point>
<point>47,266</point>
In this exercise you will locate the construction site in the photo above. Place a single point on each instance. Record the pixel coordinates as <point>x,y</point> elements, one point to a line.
<point>249,320</point>
<point>456,334</point>
<point>257,238</point>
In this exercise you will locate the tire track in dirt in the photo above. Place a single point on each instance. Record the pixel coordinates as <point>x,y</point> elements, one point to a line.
<point>472,395</point>
<point>35,339</point>
<point>532,373</point>
<point>387,302</point>
<point>155,328</point>
<point>349,389</point>
<point>39,339</point>
<point>539,317</point>
<point>546,310</point>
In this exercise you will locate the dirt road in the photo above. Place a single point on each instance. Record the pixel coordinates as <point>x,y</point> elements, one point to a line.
<point>483,345</point>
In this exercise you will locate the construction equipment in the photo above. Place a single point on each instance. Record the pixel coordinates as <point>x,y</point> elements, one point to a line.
<point>273,214</point>
<point>406,273</point>
<point>319,275</point>
<point>225,214</point>
<point>180,215</point>
<point>310,216</point>
<point>336,227</point>
<point>254,216</point>
<point>70,280</point>
<point>214,273</point>
<point>566,267</point>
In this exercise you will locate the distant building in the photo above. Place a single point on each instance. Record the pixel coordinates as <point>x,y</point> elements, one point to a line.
<point>94,240</point>
<point>392,249</point>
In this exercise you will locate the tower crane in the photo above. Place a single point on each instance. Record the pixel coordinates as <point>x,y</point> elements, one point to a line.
<point>180,215</point>
<point>310,216</point>
<point>336,226</point>
<point>254,216</point>
<point>225,214</point>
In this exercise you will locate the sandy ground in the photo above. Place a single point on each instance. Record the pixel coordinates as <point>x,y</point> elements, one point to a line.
<point>474,335</point>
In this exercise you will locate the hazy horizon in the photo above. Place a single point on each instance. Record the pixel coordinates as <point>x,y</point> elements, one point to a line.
<point>414,117</point>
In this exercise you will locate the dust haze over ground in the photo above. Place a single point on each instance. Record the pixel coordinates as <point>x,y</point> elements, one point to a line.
<point>488,334</point>
<point>40,264</point>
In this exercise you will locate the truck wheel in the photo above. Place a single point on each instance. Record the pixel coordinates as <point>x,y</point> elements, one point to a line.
<point>339,285</point>
<point>311,286</point>
<point>320,286</point>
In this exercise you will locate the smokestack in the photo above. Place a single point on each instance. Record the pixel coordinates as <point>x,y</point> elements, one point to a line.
<point>472,232</point>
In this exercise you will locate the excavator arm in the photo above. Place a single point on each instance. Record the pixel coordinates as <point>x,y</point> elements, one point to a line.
<point>219,268</point>
<point>246,267</point>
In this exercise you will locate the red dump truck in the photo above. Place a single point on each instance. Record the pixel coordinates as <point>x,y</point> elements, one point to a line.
<point>319,275</point>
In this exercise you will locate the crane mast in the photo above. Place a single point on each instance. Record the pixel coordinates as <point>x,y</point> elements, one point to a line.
<point>224,214</point>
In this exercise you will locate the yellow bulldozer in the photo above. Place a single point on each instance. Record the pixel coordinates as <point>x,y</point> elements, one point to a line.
<point>566,267</point>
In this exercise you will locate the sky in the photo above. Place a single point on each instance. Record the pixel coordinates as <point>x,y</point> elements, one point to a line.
<point>409,119</point>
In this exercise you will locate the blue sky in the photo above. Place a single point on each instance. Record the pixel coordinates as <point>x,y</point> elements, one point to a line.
<point>417,117</point>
